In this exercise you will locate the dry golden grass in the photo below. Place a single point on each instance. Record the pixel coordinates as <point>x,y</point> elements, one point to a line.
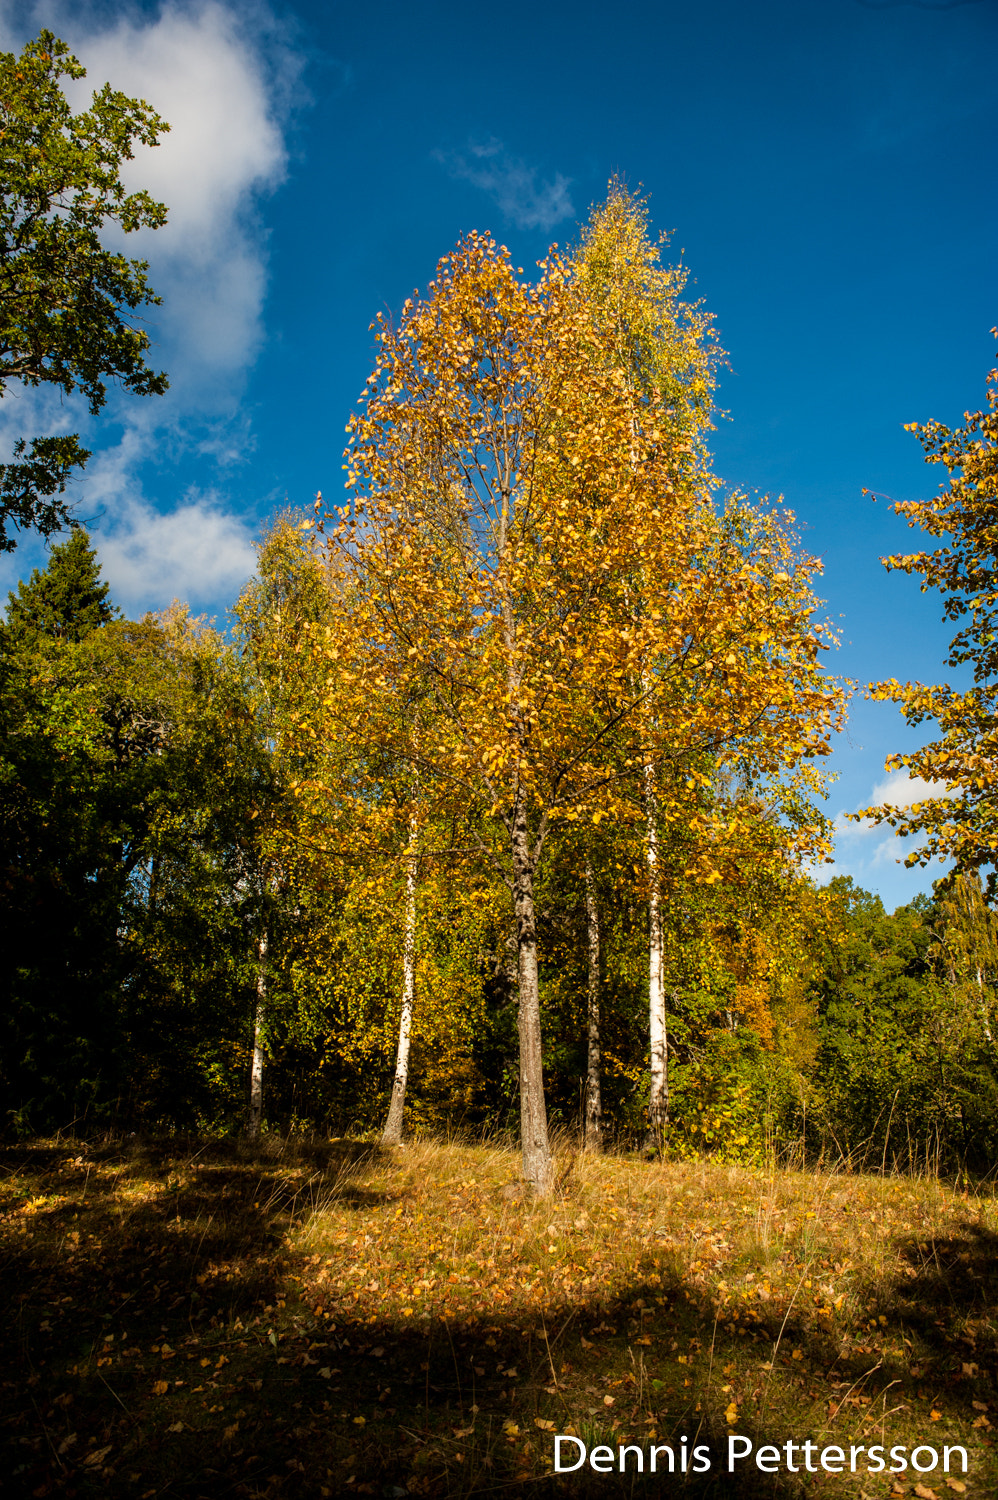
<point>321,1319</point>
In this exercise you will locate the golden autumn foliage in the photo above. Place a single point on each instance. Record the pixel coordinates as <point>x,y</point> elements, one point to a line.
<point>541,596</point>
<point>959,820</point>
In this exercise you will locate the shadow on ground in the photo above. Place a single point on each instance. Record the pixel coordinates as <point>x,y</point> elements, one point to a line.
<point>164,1348</point>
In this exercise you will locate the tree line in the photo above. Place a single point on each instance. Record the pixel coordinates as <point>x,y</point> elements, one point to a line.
<point>187,949</point>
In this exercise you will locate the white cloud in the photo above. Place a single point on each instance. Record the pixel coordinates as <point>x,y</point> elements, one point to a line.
<point>223,77</point>
<point>901,790</point>
<point>898,790</point>
<point>873,853</point>
<point>198,553</point>
<point>202,68</point>
<point>525,201</point>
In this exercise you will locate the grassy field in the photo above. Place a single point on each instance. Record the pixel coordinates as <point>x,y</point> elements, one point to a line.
<point>187,1318</point>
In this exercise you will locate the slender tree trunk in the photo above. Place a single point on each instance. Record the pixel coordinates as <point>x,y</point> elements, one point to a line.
<point>982,1006</point>
<point>593,1125</point>
<point>392,1135</point>
<point>658,1097</point>
<point>538,1167</point>
<point>259,1020</point>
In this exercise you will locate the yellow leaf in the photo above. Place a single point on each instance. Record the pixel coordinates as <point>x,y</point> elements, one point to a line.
<point>160,1387</point>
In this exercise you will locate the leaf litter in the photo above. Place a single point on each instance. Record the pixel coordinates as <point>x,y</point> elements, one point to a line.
<point>345,1317</point>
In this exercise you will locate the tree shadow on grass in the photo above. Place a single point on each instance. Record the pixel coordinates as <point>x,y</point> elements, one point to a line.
<point>175,1346</point>
<point>946,1302</point>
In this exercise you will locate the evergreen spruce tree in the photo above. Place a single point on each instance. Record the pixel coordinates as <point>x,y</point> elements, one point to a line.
<point>66,601</point>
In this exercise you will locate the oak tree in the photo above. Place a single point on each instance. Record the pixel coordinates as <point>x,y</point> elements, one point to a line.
<point>68,306</point>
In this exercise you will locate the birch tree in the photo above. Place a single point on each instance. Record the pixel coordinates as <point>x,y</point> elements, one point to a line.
<point>392,1134</point>
<point>593,1113</point>
<point>277,613</point>
<point>255,1118</point>
<point>665,349</point>
<point>511,494</point>
<point>958,819</point>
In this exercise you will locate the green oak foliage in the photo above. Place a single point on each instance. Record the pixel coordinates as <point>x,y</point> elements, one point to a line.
<point>81,730</point>
<point>68,305</point>
<point>196,901</point>
<point>132,780</point>
<point>906,1070</point>
<point>872,1005</point>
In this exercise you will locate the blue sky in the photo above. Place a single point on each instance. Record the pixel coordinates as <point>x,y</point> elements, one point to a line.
<point>826,170</point>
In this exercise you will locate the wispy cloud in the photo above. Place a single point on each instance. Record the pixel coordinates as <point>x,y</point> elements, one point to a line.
<point>197,552</point>
<point>901,790</point>
<point>526,200</point>
<point>873,853</point>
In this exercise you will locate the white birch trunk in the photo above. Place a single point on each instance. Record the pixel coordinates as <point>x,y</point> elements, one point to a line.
<point>658,1097</point>
<point>538,1165</point>
<point>593,1123</point>
<point>392,1135</point>
<point>259,1021</point>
